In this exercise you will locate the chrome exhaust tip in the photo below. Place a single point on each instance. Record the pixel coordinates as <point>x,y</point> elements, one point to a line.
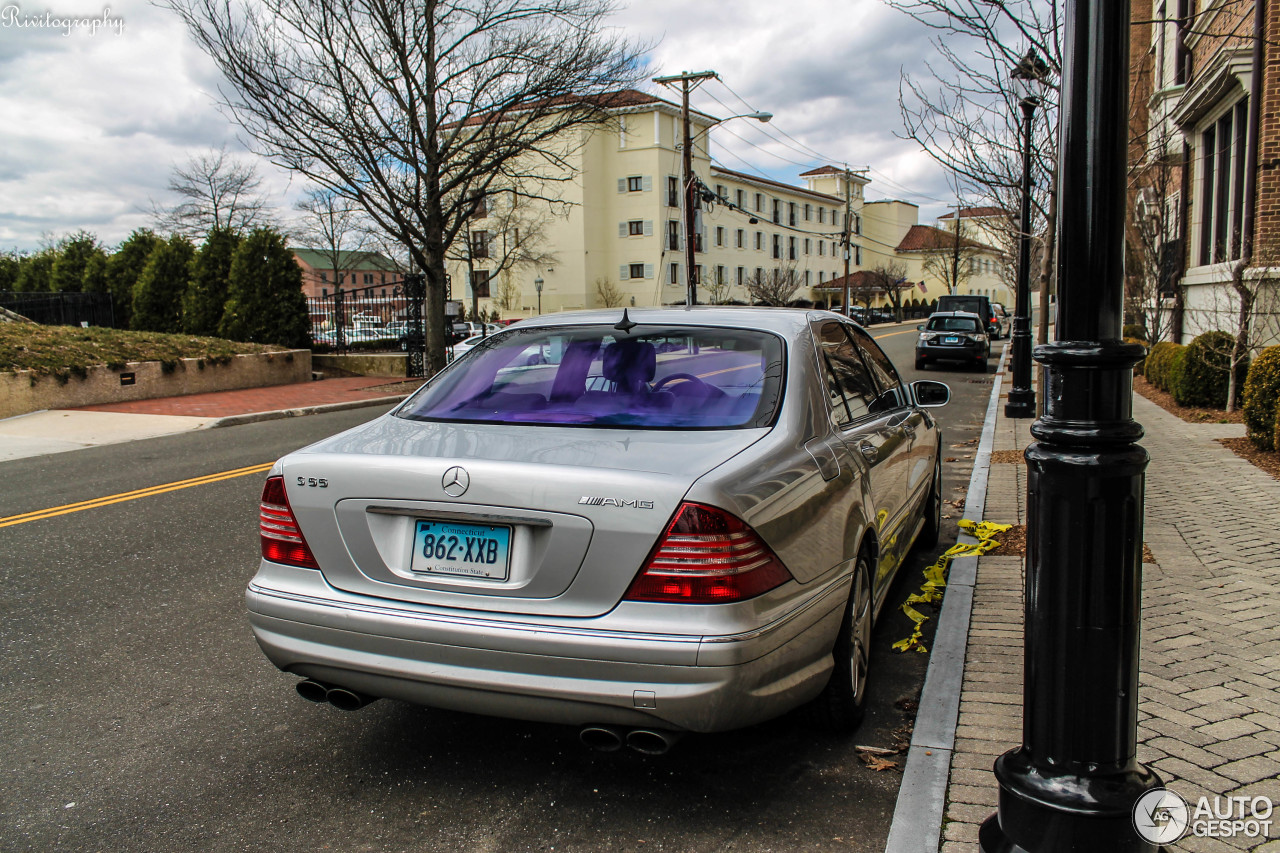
<point>347,700</point>
<point>601,738</point>
<point>652,741</point>
<point>313,691</point>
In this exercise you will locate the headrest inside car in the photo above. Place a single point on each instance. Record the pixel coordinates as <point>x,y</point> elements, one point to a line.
<point>630,363</point>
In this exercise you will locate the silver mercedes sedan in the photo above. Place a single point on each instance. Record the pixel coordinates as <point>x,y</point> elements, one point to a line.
<point>640,523</point>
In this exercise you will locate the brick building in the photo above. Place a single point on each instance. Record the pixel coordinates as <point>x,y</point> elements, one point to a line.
<point>1204,165</point>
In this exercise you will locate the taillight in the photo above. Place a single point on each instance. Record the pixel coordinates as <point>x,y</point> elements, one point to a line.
<point>707,556</point>
<point>282,541</point>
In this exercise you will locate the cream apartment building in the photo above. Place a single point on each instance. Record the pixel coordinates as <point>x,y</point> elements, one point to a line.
<point>620,239</point>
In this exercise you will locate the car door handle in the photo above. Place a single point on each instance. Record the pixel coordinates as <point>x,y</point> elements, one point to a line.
<point>909,430</point>
<point>868,451</point>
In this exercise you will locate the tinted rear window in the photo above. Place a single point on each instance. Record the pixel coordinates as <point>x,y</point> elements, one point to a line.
<point>656,377</point>
<point>953,324</point>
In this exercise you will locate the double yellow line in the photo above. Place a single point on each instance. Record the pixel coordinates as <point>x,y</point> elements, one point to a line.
<point>65,509</point>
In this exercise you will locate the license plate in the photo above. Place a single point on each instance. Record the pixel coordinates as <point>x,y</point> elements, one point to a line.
<point>471,550</point>
<point>951,339</point>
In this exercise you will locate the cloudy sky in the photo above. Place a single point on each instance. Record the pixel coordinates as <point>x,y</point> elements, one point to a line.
<point>95,115</point>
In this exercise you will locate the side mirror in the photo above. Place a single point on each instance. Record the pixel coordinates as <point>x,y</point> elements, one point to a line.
<point>929,394</point>
<point>919,328</point>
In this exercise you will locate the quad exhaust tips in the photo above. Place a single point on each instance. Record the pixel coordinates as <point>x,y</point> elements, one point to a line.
<point>338,697</point>
<point>612,738</point>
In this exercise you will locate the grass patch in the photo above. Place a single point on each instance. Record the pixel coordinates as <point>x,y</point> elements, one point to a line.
<point>66,351</point>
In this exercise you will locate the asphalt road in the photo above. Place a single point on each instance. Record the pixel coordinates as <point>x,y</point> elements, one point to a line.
<point>137,714</point>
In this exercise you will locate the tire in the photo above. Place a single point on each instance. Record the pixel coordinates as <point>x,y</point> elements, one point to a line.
<point>932,530</point>
<point>919,364</point>
<point>842,703</point>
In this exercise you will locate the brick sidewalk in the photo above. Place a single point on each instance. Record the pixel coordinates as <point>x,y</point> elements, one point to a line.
<point>1210,669</point>
<point>218,404</point>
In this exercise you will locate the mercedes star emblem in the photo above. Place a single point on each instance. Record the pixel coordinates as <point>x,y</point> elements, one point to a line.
<point>455,481</point>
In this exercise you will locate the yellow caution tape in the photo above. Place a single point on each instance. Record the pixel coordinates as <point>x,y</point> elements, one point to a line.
<point>935,577</point>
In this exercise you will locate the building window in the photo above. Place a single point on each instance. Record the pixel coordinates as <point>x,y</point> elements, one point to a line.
<point>822,215</point>
<point>324,276</point>
<point>759,201</point>
<point>719,236</point>
<point>722,275</point>
<point>759,273</point>
<point>324,291</point>
<point>777,212</point>
<point>674,274</point>
<point>635,228</point>
<point>741,197</point>
<point>791,213</point>
<point>742,276</point>
<point>636,270</point>
<point>635,184</point>
<point>673,235</point>
<point>791,249</point>
<point>857,224</point>
<point>777,246</point>
<point>479,248</point>
<point>368,278</point>
<point>808,244</point>
<point>1222,191</point>
<point>673,191</point>
<point>822,247</point>
<point>821,276</point>
<point>480,284</point>
<point>742,239</point>
<point>808,278</point>
<point>857,255</point>
<point>759,241</point>
<point>721,192</point>
<point>808,209</point>
<point>481,210</point>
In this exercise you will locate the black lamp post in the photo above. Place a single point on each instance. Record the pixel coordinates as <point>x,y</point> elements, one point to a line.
<point>537,285</point>
<point>1028,77</point>
<point>1074,782</point>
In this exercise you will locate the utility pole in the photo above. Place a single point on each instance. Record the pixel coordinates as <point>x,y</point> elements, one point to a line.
<point>690,195</point>
<point>955,256</point>
<point>847,240</point>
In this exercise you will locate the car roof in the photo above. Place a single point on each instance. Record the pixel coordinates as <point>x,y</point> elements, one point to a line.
<point>954,314</point>
<point>781,320</point>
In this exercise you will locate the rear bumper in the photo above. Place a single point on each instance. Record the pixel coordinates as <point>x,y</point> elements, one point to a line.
<point>959,352</point>
<point>575,672</point>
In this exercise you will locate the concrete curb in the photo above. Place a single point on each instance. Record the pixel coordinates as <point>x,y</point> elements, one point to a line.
<point>917,816</point>
<point>256,417</point>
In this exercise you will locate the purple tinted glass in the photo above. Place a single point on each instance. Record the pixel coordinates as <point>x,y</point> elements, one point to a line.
<point>656,377</point>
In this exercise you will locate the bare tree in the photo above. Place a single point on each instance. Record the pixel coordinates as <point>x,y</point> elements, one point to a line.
<point>890,278</point>
<point>1152,244</point>
<point>508,235</point>
<point>1249,306</point>
<point>417,111</point>
<point>334,227</point>
<point>218,193</point>
<point>966,116</point>
<point>608,295</point>
<point>773,287</point>
<point>951,257</point>
<point>717,286</point>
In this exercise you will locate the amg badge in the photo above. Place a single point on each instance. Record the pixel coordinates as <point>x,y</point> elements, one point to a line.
<point>634,504</point>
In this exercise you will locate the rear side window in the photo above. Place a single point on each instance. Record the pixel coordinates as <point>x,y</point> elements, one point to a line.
<point>850,392</point>
<point>655,377</point>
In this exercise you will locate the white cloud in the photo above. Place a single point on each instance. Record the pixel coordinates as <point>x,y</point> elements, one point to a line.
<point>97,120</point>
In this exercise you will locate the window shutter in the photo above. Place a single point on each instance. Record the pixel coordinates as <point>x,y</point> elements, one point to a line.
<point>623,272</point>
<point>622,229</point>
<point>622,185</point>
<point>648,228</point>
<point>648,183</point>
<point>648,270</point>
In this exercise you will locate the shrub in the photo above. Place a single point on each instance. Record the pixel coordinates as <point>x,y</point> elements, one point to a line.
<point>1135,330</point>
<point>1157,363</point>
<point>1261,395</point>
<point>1206,371</point>
<point>1141,365</point>
<point>1173,371</point>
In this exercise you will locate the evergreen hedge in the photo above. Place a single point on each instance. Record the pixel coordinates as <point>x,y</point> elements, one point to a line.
<point>1206,371</point>
<point>1261,399</point>
<point>1156,366</point>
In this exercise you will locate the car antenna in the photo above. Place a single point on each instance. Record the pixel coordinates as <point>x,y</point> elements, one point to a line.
<point>626,324</point>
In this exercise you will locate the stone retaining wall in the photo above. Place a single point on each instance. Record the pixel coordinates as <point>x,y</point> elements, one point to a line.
<point>25,391</point>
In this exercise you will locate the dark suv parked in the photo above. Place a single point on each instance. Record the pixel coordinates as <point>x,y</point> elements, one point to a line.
<point>979,305</point>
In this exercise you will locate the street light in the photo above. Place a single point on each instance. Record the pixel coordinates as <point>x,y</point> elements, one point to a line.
<point>689,196</point>
<point>537,285</point>
<point>1028,82</point>
<point>1075,782</point>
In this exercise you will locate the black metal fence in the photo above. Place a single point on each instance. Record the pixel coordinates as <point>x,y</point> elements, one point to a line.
<point>389,315</point>
<point>61,309</point>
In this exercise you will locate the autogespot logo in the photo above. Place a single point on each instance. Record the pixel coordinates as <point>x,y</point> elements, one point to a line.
<point>1162,817</point>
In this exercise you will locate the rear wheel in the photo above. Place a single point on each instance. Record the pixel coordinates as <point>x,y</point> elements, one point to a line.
<point>842,703</point>
<point>919,364</point>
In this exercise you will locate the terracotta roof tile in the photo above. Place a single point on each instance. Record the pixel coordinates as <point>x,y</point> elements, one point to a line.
<point>926,238</point>
<point>977,213</point>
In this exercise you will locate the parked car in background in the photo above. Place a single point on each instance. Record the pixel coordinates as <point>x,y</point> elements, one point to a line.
<point>637,524</point>
<point>980,305</point>
<point>953,336</point>
<point>1004,318</point>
